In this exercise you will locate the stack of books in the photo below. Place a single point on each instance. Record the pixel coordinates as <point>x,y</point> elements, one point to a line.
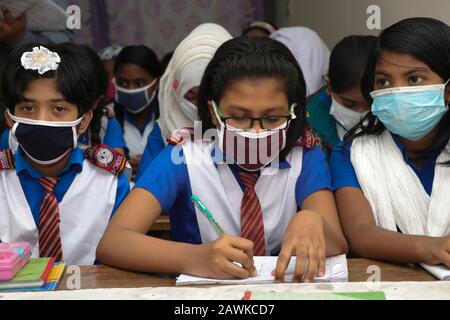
<point>18,272</point>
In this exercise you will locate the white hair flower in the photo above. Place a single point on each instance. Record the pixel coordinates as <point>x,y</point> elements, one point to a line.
<point>40,59</point>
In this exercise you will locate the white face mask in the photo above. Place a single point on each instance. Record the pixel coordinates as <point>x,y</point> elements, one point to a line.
<point>189,109</point>
<point>346,119</point>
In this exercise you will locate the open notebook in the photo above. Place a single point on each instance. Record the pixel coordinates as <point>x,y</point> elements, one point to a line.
<point>336,271</point>
<point>441,272</point>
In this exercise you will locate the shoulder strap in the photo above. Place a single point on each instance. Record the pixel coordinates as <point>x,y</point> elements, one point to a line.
<point>106,158</point>
<point>7,160</point>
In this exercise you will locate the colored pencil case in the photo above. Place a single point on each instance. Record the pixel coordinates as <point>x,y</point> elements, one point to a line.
<point>13,257</point>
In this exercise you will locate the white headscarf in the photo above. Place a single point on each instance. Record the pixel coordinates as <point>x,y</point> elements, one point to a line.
<point>310,51</point>
<point>185,71</point>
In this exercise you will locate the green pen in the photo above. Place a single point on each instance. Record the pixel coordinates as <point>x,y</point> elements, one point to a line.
<point>203,209</point>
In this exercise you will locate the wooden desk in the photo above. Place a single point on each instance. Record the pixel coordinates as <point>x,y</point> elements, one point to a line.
<point>96,277</point>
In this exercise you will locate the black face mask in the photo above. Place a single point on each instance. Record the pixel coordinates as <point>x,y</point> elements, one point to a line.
<point>45,142</point>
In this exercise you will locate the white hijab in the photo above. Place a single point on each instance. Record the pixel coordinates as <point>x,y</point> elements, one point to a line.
<point>310,51</point>
<point>185,71</point>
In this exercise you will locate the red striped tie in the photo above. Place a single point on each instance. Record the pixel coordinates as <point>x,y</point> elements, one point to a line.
<point>252,226</point>
<point>49,232</point>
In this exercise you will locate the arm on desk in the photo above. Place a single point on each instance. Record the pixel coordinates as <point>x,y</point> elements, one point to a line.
<point>368,240</point>
<point>126,245</point>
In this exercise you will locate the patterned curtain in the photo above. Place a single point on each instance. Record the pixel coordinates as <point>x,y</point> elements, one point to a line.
<point>159,24</point>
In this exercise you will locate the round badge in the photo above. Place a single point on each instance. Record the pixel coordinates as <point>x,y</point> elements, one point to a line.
<point>104,156</point>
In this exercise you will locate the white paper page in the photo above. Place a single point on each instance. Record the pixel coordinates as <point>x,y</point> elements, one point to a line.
<point>336,271</point>
<point>42,15</point>
<point>441,272</point>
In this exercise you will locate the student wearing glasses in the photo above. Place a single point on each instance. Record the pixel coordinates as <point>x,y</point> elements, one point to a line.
<point>253,166</point>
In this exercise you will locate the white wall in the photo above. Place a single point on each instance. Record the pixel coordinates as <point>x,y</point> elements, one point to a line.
<point>335,19</point>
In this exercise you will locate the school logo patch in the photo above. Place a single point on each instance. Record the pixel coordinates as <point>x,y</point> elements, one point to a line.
<point>106,158</point>
<point>6,160</point>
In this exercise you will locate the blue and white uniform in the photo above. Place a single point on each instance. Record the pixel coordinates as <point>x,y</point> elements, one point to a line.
<point>88,196</point>
<point>281,190</point>
<point>136,138</point>
<point>344,174</point>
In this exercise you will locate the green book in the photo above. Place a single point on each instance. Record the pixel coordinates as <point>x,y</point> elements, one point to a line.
<point>33,275</point>
<point>272,295</point>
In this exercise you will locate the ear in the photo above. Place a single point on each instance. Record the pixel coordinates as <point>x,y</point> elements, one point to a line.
<point>9,122</point>
<point>214,120</point>
<point>83,126</point>
<point>328,85</point>
<point>447,93</point>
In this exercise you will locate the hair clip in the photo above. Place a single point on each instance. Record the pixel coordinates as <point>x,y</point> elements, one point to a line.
<point>40,59</point>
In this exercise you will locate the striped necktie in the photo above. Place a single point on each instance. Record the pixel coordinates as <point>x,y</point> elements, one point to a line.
<point>252,226</point>
<point>49,231</point>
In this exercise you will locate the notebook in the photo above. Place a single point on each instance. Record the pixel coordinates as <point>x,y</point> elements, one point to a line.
<point>42,15</point>
<point>336,271</point>
<point>272,295</point>
<point>33,275</point>
<point>52,282</point>
<point>441,272</point>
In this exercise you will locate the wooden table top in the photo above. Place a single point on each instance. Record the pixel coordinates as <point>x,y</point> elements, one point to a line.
<point>101,277</point>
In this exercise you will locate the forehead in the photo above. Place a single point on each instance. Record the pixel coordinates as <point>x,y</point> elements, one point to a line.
<point>42,89</point>
<point>132,71</point>
<point>258,90</point>
<point>396,61</point>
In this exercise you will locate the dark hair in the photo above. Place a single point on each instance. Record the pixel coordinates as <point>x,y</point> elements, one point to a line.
<point>426,39</point>
<point>145,58</point>
<point>74,77</point>
<point>348,61</point>
<point>165,61</point>
<point>254,58</point>
<point>100,86</point>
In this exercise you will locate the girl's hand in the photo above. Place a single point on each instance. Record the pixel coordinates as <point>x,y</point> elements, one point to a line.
<point>217,259</point>
<point>436,251</point>
<point>305,239</point>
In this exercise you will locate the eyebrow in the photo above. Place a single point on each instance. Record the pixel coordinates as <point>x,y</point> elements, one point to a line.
<point>414,70</point>
<point>239,108</point>
<point>25,99</point>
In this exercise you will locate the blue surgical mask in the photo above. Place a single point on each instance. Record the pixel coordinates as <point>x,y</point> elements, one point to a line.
<point>410,112</point>
<point>136,100</point>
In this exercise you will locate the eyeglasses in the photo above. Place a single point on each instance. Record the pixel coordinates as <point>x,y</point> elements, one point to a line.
<point>275,122</point>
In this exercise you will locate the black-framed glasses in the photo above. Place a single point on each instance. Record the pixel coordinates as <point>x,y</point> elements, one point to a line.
<point>272,122</point>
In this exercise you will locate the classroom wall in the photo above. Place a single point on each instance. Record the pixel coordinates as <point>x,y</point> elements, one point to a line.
<point>335,19</point>
<point>160,24</point>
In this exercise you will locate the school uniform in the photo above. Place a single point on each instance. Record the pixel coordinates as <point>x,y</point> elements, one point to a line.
<point>344,175</point>
<point>154,146</point>
<point>88,191</point>
<point>403,196</point>
<point>175,175</point>
<point>321,122</point>
<point>110,134</point>
<point>136,138</point>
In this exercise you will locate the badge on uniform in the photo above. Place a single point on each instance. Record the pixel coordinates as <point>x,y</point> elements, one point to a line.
<point>106,158</point>
<point>180,136</point>
<point>6,160</point>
